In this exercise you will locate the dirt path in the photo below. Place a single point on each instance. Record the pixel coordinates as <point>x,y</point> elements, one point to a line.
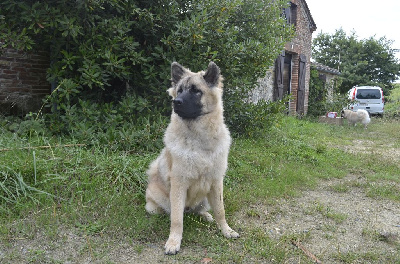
<point>334,225</point>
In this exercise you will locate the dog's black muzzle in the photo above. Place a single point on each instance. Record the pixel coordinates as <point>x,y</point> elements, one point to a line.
<point>187,105</point>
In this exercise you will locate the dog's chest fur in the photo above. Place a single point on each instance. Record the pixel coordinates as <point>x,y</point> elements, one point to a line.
<point>202,149</point>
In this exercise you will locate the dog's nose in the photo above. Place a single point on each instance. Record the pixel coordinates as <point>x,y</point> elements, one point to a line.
<point>178,101</point>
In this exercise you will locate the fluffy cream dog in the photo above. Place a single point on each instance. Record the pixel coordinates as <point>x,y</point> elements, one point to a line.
<point>361,116</point>
<point>188,175</point>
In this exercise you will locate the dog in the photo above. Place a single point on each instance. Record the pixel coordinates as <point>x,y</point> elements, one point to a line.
<point>188,174</point>
<point>361,116</point>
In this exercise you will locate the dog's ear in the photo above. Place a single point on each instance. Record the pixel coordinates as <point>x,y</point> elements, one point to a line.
<point>212,74</point>
<point>177,72</point>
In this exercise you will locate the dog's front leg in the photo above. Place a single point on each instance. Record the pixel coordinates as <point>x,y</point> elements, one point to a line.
<point>215,198</point>
<point>177,197</point>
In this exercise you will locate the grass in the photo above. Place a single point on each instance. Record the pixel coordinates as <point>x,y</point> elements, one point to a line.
<point>96,191</point>
<point>327,212</point>
<point>340,188</point>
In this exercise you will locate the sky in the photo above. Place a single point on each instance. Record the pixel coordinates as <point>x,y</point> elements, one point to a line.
<point>366,18</point>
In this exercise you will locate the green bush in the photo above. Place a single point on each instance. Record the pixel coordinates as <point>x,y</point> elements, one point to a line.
<point>253,120</point>
<point>126,125</point>
<point>338,103</point>
<point>23,127</point>
<point>317,95</point>
<point>103,51</point>
<point>392,104</point>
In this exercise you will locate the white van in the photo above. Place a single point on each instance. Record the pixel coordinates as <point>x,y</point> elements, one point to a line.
<point>369,98</point>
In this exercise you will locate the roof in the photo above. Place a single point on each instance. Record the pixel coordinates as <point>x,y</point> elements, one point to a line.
<point>313,26</point>
<point>323,68</point>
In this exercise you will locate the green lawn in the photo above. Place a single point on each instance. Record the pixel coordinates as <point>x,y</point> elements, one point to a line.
<point>98,191</point>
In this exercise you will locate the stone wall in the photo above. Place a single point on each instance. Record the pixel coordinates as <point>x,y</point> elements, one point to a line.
<point>22,81</point>
<point>264,89</point>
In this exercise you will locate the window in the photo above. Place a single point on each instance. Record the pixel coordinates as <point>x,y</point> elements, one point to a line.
<point>368,94</point>
<point>289,13</point>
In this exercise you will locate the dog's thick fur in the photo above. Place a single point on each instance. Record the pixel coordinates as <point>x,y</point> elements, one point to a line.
<point>188,174</point>
<point>360,116</point>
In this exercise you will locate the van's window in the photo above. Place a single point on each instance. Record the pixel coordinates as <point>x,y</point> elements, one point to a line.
<point>368,94</point>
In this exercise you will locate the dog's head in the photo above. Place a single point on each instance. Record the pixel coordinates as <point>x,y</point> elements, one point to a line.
<point>345,113</point>
<point>195,94</point>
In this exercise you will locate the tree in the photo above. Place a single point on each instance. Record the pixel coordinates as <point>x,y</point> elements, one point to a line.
<point>361,62</point>
<point>101,49</point>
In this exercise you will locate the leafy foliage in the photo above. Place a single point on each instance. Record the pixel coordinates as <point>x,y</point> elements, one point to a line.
<point>392,104</point>
<point>127,125</point>
<point>318,101</point>
<point>338,103</point>
<point>254,120</point>
<point>317,95</point>
<point>361,62</point>
<point>103,50</point>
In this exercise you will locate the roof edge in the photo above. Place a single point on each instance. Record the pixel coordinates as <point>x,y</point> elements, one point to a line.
<point>312,22</point>
<point>323,68</point>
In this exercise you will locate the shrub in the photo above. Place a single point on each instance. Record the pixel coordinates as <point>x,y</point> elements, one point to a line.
<point>338,103</point>
<point>317,95</point>
<point>102,51</point>
<point>126,125</point>
<point>252,120</point>
<point>392,105</point>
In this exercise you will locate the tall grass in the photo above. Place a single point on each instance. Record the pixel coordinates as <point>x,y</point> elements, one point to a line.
<point>14,189</point>
<point>63,171</point>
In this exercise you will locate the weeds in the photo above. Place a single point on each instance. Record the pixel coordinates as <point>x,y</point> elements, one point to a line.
<point>383,191</point>
<point>13,188</point>
<point>326,212</point>
<point>340,188</point>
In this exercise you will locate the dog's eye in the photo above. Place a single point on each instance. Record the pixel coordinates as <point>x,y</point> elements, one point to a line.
<point>180,90</point>
<point>196,91</point>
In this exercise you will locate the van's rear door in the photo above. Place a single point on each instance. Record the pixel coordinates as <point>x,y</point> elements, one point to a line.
<point>369,96</point>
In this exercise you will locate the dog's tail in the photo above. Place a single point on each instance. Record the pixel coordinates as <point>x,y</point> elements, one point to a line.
<point>363,116</point>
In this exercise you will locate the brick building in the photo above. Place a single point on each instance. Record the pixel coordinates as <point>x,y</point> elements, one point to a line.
<point>291,72</point>
<point>22,81</point>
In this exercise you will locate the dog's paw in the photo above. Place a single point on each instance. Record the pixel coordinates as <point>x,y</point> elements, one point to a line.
<point>172,246</point>
<point>153,208</point>
<point>230,233</point>
<point>207,216</point>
